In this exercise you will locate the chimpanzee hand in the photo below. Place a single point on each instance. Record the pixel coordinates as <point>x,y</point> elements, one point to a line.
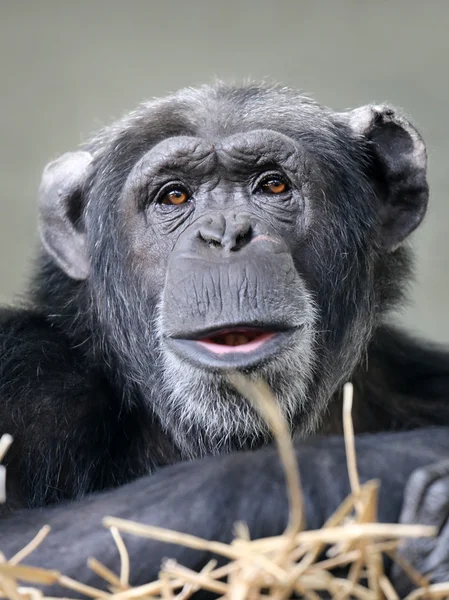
<point>426,502</point>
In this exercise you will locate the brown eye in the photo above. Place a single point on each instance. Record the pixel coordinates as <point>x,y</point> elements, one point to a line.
<point>274,185</point>
<point>175,197</point>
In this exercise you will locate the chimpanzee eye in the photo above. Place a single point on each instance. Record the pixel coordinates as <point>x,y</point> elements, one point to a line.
<point>273,184</point>
<point>174,196</point>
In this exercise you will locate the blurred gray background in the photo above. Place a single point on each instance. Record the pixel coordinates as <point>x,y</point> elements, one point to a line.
<point>67,68</point>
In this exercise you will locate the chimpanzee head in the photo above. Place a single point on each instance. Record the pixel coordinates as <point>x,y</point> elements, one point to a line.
<point>233,228</point>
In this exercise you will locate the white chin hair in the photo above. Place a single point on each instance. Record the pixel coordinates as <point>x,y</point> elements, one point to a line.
<point>207,416</point>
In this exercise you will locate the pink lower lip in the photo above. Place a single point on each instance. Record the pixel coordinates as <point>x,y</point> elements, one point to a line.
<point>241,349</point>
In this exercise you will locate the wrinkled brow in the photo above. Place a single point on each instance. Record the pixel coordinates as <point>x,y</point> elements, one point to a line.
<point>178,154</point>
<point>259,148</point>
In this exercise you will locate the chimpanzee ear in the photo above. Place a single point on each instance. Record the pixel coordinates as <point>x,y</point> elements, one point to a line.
<point>60,209</point>
<point>401,169</point>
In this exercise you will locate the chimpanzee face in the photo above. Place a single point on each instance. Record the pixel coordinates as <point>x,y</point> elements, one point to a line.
<point>254,232</point>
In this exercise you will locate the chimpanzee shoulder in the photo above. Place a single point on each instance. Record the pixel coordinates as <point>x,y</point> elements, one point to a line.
<point>405,380</point>
<point>72,432</point>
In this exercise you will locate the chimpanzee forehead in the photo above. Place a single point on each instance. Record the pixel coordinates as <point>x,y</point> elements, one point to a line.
<point>235,152</point>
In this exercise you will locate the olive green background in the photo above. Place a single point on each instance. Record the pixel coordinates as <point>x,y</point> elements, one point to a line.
<point>68,67</point>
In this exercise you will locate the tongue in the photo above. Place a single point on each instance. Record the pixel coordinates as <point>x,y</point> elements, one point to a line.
<point>249,346</point>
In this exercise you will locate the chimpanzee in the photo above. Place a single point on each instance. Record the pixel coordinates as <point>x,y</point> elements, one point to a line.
<point>222,228</point>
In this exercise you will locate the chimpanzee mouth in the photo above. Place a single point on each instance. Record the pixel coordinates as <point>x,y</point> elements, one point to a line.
<point>231,347</point>
<point>235,340</point>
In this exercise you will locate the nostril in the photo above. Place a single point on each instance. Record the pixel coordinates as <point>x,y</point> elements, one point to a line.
<point>242,238</point>
<point>211,230</point>
<point>212,242</point>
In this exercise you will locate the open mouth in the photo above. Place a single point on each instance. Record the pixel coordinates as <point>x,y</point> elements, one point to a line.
<point>235,340</point>
<point>240,346</point>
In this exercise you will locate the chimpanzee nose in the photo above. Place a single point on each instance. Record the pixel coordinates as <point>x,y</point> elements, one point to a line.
<point>230,232</point>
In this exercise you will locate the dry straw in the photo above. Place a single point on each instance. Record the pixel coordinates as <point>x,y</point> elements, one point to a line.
<point>297,562</point>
